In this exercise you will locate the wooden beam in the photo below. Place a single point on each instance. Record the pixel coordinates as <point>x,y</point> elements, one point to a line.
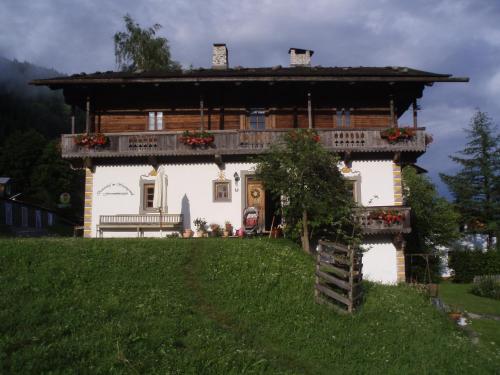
<point>202,120</point>
<point>391,106</point>
<point>72,119</point>
<point>415,107</point>
<point>309,110</point>
<point>87,115</point>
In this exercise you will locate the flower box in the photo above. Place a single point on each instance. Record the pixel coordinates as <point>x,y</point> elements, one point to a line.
<point>395,135</point>
<point>197,139</point>
<point>387,217</point>
<point>91,140</point>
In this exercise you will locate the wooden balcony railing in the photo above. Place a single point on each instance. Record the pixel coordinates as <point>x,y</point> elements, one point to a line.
<point>384,219</point>
<point>234,142</point>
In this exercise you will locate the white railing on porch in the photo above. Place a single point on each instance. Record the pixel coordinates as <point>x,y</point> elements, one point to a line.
<point>141,220</point>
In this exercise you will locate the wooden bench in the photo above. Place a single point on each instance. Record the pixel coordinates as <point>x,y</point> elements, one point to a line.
<point>140,223</point>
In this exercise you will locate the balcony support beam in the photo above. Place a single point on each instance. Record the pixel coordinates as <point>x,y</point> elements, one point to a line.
<point>415,108</point>
<point>72,119</point>
<point>87,116</point>
<point>309,110</point>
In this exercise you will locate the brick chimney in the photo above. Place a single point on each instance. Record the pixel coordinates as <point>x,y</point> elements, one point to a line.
<point>300,57</point>
<point>219,56</point>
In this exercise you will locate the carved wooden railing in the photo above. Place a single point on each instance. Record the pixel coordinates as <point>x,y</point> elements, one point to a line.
<point>235,142</point>
<point>380,219</point>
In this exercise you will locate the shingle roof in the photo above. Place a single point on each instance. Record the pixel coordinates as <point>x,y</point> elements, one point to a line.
<point>277,73</point>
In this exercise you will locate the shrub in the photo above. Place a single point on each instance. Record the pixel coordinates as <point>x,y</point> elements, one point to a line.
<point>487,286</point>
<point>469,263</point>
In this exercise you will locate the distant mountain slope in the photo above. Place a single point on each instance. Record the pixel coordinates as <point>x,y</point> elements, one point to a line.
<point>23,106</point>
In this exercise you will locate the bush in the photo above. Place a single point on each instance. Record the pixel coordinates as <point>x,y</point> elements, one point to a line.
<point>469,263</point>
<point>487,286</point>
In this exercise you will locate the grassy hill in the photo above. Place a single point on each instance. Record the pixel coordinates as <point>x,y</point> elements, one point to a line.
<point>207,307</point>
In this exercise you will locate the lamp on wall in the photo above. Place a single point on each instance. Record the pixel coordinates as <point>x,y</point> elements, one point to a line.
<point>236,180</point>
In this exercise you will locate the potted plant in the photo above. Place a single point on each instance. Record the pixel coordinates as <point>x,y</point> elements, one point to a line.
<point>91,140</point>
<point>197,139</point>
<point>395,135</point>
<point>215,230</point>
<point>228,229</point>
<point>188,232</point>
<point>201,226</point>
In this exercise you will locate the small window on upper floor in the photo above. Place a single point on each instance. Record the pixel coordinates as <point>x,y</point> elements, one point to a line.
<point>257,119</point>
<point>155,121</point>
<point>343,118</point>
<point>347,118</point>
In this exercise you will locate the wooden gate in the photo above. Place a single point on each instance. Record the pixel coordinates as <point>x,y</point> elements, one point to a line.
<point>338,276</point>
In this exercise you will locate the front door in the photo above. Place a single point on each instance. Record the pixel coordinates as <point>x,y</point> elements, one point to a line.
<point>256,197</point>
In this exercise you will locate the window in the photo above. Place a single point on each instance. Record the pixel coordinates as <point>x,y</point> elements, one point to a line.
<point>347,117</point>
<point>155,121</point>
<point>353,185</point>
<point>222,191</point>
<point>24,216</point>
<point>257,119</point>
<point>149,193</point>
<point>38,219</point>
<point>8,213</point>
<point>339,119</point>
<point>50,219</point>
<point>343,118</point>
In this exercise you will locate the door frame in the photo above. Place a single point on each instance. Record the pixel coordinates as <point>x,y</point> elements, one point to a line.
<point>244,176</point>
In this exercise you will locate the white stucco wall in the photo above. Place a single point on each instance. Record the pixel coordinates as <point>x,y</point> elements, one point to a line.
<point>189,182</point>
<point>377,187</point>
<point>379,262</point>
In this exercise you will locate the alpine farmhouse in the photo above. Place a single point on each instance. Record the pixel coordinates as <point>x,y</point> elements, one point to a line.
<point>143,117</point>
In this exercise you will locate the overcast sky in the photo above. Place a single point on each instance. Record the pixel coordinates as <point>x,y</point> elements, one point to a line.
<point>450,36</point>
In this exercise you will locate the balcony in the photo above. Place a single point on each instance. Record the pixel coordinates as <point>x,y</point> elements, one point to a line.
<point>384,219</point>
<point>235,142</point>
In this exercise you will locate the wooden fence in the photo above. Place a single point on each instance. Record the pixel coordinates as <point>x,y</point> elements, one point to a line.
<point>338,277</point>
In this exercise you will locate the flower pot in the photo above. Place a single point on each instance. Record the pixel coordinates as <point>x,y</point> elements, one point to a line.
<point>199,233</point>
<point>226,233</point>
<point>187,233</point>
<point>455,315</point>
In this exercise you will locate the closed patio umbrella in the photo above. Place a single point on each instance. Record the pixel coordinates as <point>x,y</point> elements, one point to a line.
<point>159,197</point>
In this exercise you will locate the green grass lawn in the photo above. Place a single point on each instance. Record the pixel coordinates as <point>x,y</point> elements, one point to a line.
<point>459,295</point>
<point>207,306</point>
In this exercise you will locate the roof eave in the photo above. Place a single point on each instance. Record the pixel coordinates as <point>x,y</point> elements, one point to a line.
<point>143,80</point>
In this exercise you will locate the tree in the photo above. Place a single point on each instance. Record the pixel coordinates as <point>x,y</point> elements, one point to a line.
<point>476,187</point>
<point>18,157</point>
<point>435,222</point>
<point>306,174</point>
<point>140,49</point>
<point>52,176</point>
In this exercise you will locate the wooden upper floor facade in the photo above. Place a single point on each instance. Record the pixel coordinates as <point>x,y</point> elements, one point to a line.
<point>223,99</point>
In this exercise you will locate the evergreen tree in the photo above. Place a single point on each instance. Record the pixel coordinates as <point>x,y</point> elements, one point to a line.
<point>476,187</point>
<point>317,201</point>
<point>434,222</point>
<point>140,49</point>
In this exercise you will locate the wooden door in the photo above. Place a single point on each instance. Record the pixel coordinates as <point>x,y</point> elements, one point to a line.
<point>256,197</point>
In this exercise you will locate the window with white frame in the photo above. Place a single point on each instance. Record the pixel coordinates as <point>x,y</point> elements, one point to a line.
<point>155,121</point>
<point>354,186</point>
<point>222,191</point>
<point>147,186</point>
